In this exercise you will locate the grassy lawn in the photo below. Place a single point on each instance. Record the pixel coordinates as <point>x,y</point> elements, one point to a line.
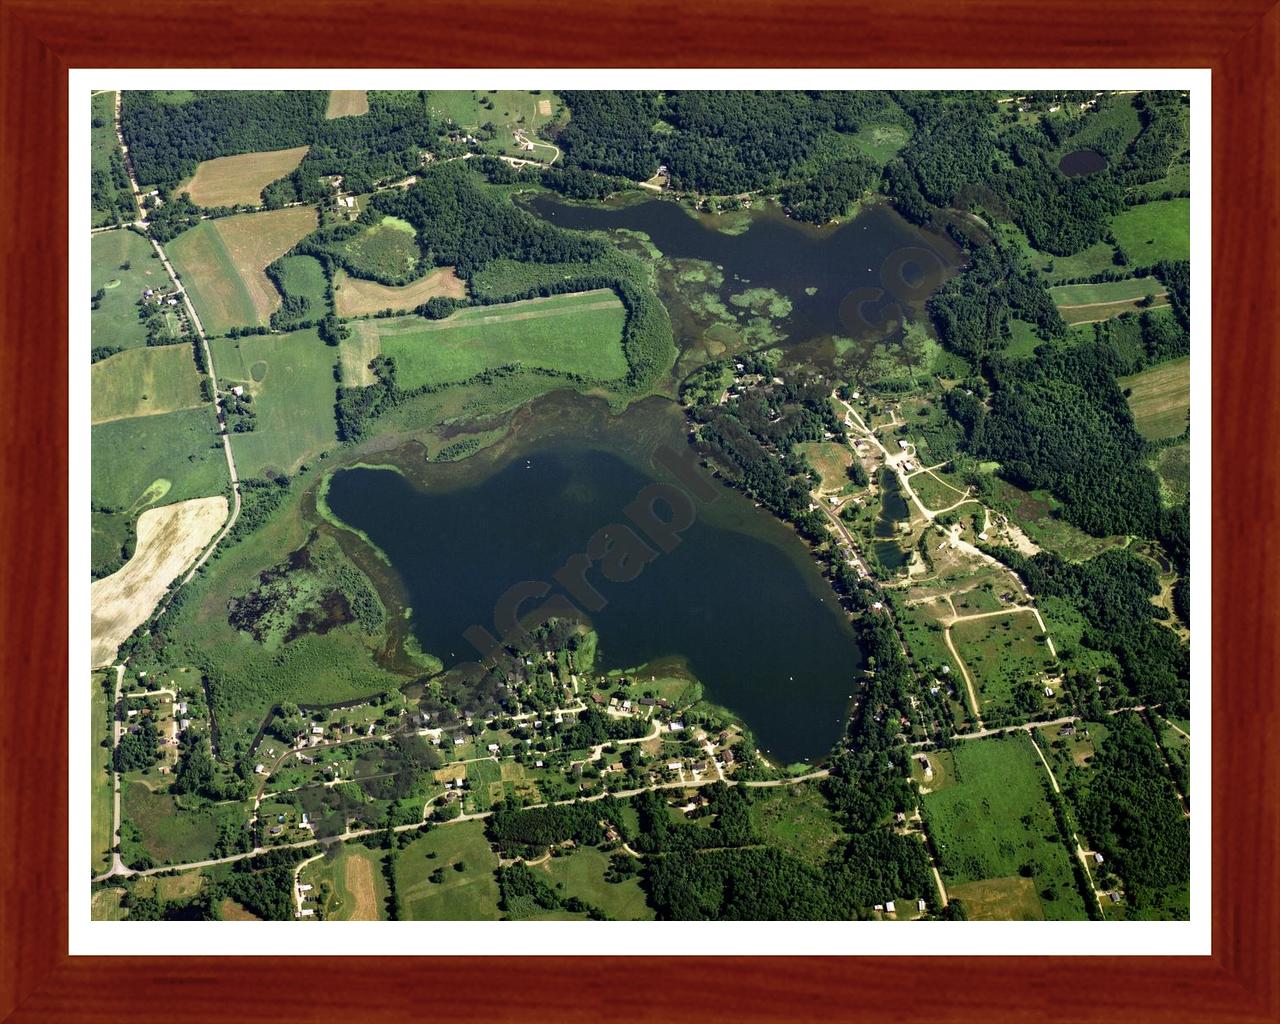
<point>239,180</point>
<point>356,297</point>
<point>144,382</point>
<point>507,109</point>
<point>115,322</point>
<point>937,492</point>
<point>995,825</point>
<point>1069,295</point>
<point>582,874</point>
<point>467,895</point>
<point>795,819</point>
<point>579,333</point>
<point>1160,398</point>
<point>1001,652</point>
<point>100,764</point>
<point>1155,231</point>
<point>221,263</point>
<point>290,377</point>
<point>347,103</point>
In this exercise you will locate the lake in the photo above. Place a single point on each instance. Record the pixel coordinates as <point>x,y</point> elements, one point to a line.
<point>1082,162</point>
<point>844,280</point>
<point>739,600</point>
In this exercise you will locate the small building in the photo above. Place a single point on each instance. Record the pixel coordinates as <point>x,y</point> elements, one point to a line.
<point>305,887</point>
<point>676,726</point>
<point>237,390</point>
<point>902,444</point>
<point>458,741</point>
<point>537,764</point>
<point>889,907</point>
<point>306,912</point>
<point>493,748</point>
<point>260,769</point>
<point>1097,858</point>
<point>673,766</point>
<point>317,730</point>
<point>921,906</point>
<point>1048,691</point>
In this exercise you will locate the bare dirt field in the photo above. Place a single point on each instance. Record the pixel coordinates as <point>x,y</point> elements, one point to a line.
<point>544,108</point>
<point>347,102</point>
<point>355,297</point>
<point>170,538</point>
<point>231,180</point>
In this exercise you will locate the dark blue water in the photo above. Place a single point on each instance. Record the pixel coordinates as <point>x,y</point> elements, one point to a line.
<point>746,610</point>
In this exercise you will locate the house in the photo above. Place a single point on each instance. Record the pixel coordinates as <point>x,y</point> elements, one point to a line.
<point>458,741</point>
<point>275,830</point>
<point>889,907</point>
<point>921,906</point>
<point>493,748</point>
<point>626,705</point>
<point>305,887</point>
<point>902,444</point>
<point>1097,858</point>
<point>238,391</point>
<point>673,766</point>
<point>260,769</point>
<point>596,698</point>
<point>982,536</point>
<point>306,912</point>
<point>879,906</point>
<point>537,764</point>
<point>1048,691</point>
<point>184,724</point>
<point>181,707</point>
<point>676,726</point>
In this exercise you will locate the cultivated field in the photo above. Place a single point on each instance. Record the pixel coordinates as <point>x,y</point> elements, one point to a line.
<point>144,382</point>
<point>578,333</point>
<point>1155,231</point>
<point>115,322</point>
<point>290,379</point>
<point>239,180</point>
<point>995,825</point>
<point>467,895</point>
<point>1000,653</point>
<point>358,887</point>
<point>221,264</point>
<point>1160,398</point>
<point>106,905</point>
<point>169,540</point>
<point>354,296</point>
<point>347,102</point>
<point>357,352</point>
<point>1086,303</point>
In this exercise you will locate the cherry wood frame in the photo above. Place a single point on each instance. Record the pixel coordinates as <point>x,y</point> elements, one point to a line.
<point>39,41</point>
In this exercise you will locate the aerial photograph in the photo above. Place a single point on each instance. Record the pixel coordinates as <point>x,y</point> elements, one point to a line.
<point>619,505</point>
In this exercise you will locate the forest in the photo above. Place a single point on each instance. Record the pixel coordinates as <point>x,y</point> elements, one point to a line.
<point>167,140</point>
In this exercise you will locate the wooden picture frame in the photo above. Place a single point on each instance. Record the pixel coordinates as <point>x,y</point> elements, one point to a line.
<point>40,41</point>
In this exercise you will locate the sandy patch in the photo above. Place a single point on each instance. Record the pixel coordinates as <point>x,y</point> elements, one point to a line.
<point>169,540</point>
<point>544,108</point>
<point>232,180</point>
<point>347,103</point>
<point>355,297</point>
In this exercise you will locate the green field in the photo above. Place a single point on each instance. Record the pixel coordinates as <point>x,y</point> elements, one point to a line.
<point>979,830</point>
<point>144,382</point>
<point>387,251</point>
<point>1160,398</point>
<point>106,905</point>
<point>582,874</point>
<point>881,142</point>
<point>1001,652</point>
<point>796,819</point>
<point>831,460</point>
<point>578,333</point>
<point>100,764</point>
<point>303,277</point>
<point>510,109</point>
<point>293,397</point>
<point>1155,231</point>
<point>115,322</point>
<point>467,895</point>
<point>1173,466</point>
<point>171,835</point>
<point>222,264</point>
<point>1105,291</point>
<point>146,461</point>
<point>1093,259</point>
<point>357,887</point>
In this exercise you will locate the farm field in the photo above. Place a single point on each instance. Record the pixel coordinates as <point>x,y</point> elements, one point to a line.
<point>115,322</point>
<point>1087,303</point>
<point>354,296</point>
<point>977,825</point>
<point>1001,652</point>
<point>467,895</point>
<point>1155,231</point>
<point>358,888</point>
<point>302,277</point>
<point>579,333</point>
<point>1160,398</point>
<point>144,382</point>
<point>146,460</point>
<point>106,905</point>
<point>290,379</point>
<point>347,103</point>
<point>239,180</point>
<point>582,874</point>
<point>221,263</point>
<point>169,540</point>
